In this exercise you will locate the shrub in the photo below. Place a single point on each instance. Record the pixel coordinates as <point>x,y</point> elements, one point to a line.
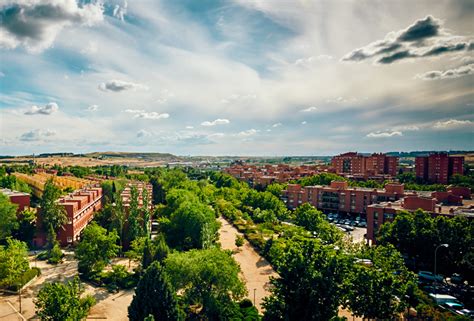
<point>239,241</point>
<point>55,255</point>
<point>25,278</point>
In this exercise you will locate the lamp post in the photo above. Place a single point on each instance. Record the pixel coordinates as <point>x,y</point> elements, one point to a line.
<point>435,275</point>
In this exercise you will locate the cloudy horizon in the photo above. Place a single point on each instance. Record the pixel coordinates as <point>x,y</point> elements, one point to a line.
<point>242,77</point>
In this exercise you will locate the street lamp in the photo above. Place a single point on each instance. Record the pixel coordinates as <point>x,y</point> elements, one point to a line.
<point>436,251</point>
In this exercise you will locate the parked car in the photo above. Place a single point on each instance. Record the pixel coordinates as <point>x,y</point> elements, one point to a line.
<point>456,308</point>
<point>441,299</point>
<point>429,276</point>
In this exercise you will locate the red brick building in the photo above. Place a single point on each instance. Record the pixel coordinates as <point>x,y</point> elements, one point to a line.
<point>356,164</point>
<point>438,168</point>
<point>448,203</point>
<point>80,207</point>
<point>19,198</point>
<point>339,197</point>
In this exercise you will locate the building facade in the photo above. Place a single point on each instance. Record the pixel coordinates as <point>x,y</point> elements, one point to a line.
<point>355,164</point>
<point>19,198</point>
<point>438,168</point>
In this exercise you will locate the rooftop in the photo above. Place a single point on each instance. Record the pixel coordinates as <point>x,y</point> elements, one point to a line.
<point>9,192</point>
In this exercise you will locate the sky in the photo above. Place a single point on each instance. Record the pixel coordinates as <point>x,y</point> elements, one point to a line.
<point>236,77</point>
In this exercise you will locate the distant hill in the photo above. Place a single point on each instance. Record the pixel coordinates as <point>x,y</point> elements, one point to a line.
<point>144,156</point>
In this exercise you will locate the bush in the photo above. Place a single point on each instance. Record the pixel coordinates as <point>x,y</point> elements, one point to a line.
<point>256,240</point>
<point>118,278</point>
<point>25,278</point>
<point>55,255</point>
<point>239,241</point>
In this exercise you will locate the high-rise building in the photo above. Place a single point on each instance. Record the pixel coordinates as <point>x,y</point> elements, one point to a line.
<point>437,168</point>
<point>353,163</point>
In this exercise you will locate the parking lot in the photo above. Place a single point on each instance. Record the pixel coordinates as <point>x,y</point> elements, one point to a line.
<point>355,227</point>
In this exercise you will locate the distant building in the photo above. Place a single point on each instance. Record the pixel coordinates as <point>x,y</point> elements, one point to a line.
<point>19,198</point>
<point>438,168</point>
<point>449,204</point>
<point>358,165</point>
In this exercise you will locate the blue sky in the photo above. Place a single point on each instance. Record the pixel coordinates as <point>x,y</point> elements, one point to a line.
<point>243,77</point>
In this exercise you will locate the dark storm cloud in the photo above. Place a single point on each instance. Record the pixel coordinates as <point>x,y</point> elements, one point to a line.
<point>37,24</point>
<point>424,38</point>
<point>420,30</point>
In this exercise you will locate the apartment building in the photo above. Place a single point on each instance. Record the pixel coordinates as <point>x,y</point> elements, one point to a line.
<point>339,197</point>
<point>80,207</point>
<point>361,166</point>
<point>438,168</point>
<point>126,194</point>
<point>19,198</point>
<point>268,174</point>
<point>450,204</point>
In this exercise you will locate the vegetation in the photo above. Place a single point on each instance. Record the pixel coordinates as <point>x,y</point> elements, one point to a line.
<point>53,214</point>
<point>13,262</point>
<point>95,250</point>
<point>417,234</point>
<point>58,301</point>
<point>155,296</point>
<point>8,219</point>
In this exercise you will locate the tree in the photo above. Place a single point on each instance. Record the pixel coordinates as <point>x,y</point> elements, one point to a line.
<point>13,261</point>
<point>378,290</point>
<point>52,213</point>
<point>134,229</point>
<point>310,283</point>
<point>8,219</point>
<point>192,225</point>
<point>95,249</point>
<point>27,225</point>
<point>147,258</point>
<point>208,279</point>
<point>146,212</point>
<point>313,220</point>
<point>239,241</point>
<point>154,296</point>
<point>58,301</point>
<point>161,248</point>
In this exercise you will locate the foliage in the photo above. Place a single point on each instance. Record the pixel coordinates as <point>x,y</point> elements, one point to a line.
<point>154,295</point>
<point>207,278</point>
<point>275,189</point>
<point>313,220</point>
<point>118,277</point>
<point>310,283</point>
<point>55,254</point>
<point>52,213</point>
<point>463,180</point>
<point>134,228</point>
<point>378,290</point>
<point>417,235</point>
<point>13,183</point>
<point>13,261</point>
<point>192,225</point>
<point>239,241</point>
<point>8,219</point>
<point>95,249</point>
<point>58,301</point>
<point>27,225</point>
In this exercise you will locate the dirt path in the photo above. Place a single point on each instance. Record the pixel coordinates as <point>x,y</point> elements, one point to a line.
<point>256,271</point>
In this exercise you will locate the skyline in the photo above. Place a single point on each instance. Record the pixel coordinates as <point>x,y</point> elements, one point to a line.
<point>236,77</point>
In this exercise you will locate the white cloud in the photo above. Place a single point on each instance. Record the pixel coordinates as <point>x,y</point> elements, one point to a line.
<point>92,108</point>
<point>309,109</point>
<point>277,125</point>
<point>384,134</point>
<point>35,24</point>
<point>406,128</point>
<point>37,135</point>
<point>189,127</point>
<point>151,115</point>
<point>452,123</point>
<point>133,111</point>
<point>215,122</point>
<point>246,133</point>
<point>304,122</point>
<point>120,11</point>
<point>143,133</point>
<point>120,85</point>
<point>48,109</point>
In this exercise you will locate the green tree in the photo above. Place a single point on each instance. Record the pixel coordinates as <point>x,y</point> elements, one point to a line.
<point>58,301</point>
<point>192,225</point>
<point>134,229</point>
<point>276,189</point>
<point>313,220</point>
<point>154,296</point>
<point>378,290</point>
<point>310,283</point>
<point>27,225</point>
<point>52,213</point>
<point>8,218</point>
<point>146,212</point>
<point>95,249</point>
<point>208,279</point>
<point>13,261</point>
<point>147,258</point>
<point>161,248</point>
<point>239,241</point>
